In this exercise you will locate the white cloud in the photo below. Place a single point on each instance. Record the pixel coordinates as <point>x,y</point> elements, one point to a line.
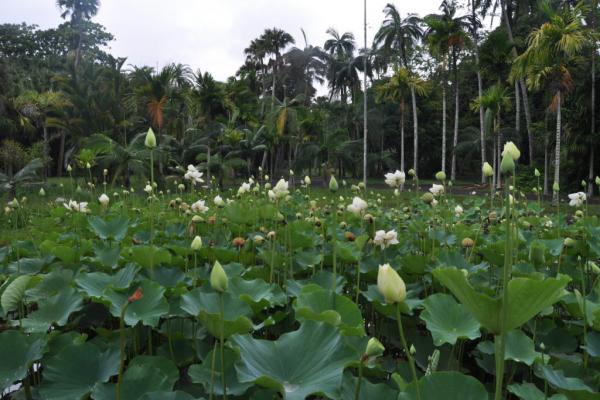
<point>212,34</point>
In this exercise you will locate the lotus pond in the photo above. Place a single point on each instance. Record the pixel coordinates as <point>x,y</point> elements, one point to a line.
<point>293,292</point>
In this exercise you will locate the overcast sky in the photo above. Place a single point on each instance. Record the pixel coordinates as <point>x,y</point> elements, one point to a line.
<point>212,34</point>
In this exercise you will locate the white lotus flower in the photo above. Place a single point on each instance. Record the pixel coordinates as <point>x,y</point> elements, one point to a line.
<point>272,195</point>
<point>458,210</point>
<point>385,239</point>
<point>244,188</point>
<point>577,199</point>
<point>103,199</point>
<point>77,207</point>
<point>281,189</point>
<point>148,189</point>
<point>436,189</point>
<point>199,207</point>
<point>193,175</point>
<point>218,200</point>
<point>357,207</point>
<point>307,180</point>
<point>395,179</point>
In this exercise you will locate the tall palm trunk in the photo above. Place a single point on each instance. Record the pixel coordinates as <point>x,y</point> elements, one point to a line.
<point>402,135</point>
<point>480,91</point>
<point>517,111</point>
<point>444,100</point>
<point>546,157</point>
<point>495,160</point>
<point>61,154</point>
<point>499,152</point>
<point>521,83</point>
<point>415,131</point>
<point>456,115</point>
<point>593,106</point>
<point>46,149</point>
<point>557,149</point>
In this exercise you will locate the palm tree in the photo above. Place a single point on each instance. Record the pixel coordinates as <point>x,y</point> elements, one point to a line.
<point>545,63</point>
<point>36,108</point>
<point>401,35</point>
<point>475,24</point>
<point>340,46</point>
<point>24,176</point>
<point>447,35</point>
<point>493,101</point>
<point>274,41</point>
<point>396,89</point>
<point>79,11</point>
<point>311,60</point>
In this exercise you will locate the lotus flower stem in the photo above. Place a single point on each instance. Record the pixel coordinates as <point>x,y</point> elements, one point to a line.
<point>411,360</point>
<point>122,349</point>
<point>221,340</point>
<point>359,383</point>
<point>500,340</point>
<point>333,245</point>
<point>584,307</point>
<point>212,372</point>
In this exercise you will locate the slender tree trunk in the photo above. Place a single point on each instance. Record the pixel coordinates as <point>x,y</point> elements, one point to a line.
<point>593,106</point>
<point>444,100</point>
<point>456,114</point>
<point>415,131</point>
<point>402,137</point>
<point>557,149</point>
<point>46,149</point>
<point>479,90</point>
<point>365,126</point>
<point>499,155</point>
<point>517,111</point>
<point>495,160</point>
<point>521,83</point>
<point>546,158</point>
<point>208,180</point>
<point>61,154</point>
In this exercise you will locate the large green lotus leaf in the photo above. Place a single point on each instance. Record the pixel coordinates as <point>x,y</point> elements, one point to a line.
<point>447,386</point>
<point>150,256</point>
<point>318,304</point>
<point>144,375</point>
<point>368,390</point>
<point>53,310</point>
<point>95,284</point>
<point>527,297</point>
<point>14,291</point>
<point>76,370</point>
<point>257,293</point>
<point>528,391</point>
<point>448,320</point>
<point>201,373</point>
<point>308,361</point>
<point>558,379</point>
<point>176,395</point>
<point>28,265</point>
<point>114,228</point>
<point>107,254</point>
<point>239,213</point>
<point>65,253</point>
<point>148,310</point>
<point>348,252</point>
<point>307,258</point>
<point>206,306</point>
<point>519,348</point>
<point>301,234</point>
<point>50,284</point>
<point>18,352</point>
<point>321,278</point>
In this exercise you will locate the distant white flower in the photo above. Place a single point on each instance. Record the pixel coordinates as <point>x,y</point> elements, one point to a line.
<point>307,180</point>
<point>244,188</point>
<point>436,189</point>
<point>199,207</point>
<point>272,195</point>
<point>458,210</point>
<point>218,200</point>
<point>434,203</point>
<point>193,175</point>
<point>577,199</point>
<point>77,207</point>
<point>395,179</point>
<point>148,189</point>
<point>103,199</point>
<point>384,239</point>
<point>281,189</point>
<point>357,207</point>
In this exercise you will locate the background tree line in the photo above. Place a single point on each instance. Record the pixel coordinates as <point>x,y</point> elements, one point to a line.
<point>445,91</point>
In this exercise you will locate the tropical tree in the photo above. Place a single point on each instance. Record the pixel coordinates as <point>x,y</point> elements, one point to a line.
<point>398,35</point>
<point>447,35</point>
<point>546,63</point>
<point>79,11</point>
<point>274,41</point>
<point>397,89</point>
<point>24,176</point>
<point>493,101</point>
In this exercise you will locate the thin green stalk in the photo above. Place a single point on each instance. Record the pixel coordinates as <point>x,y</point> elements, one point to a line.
<point>411,360</point>
<point>122,349</point>
<point>500,340</point>
<point>333,245</point>
<point>584,306</point>
<point>222,339</point>
<point>360,377</point>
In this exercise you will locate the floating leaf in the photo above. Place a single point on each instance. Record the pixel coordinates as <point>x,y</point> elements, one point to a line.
<point>447,320</point>
<point>115,228</point>
<point>18,351</point>
<point>306,367</point>
<point>447,386</point>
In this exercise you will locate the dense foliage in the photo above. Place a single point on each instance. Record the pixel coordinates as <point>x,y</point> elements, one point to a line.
<point>444,82</point>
